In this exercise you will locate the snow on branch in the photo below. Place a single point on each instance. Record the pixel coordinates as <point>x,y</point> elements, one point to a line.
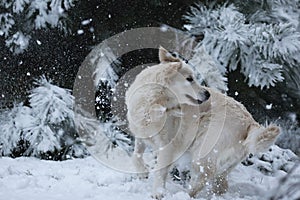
<point>18,42</point>
<point>263,51</point>
<point>270,11</point>
<point>288,187</point>
<point>6,23</point>
<point>21,17</point>
<point>277,40</point>
<point>207,70</point>
<point>103,61</point>
<point>224,32</point>
<point>12,124</point>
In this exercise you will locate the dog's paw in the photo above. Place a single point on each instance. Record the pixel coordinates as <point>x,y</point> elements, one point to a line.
<point>158,194</point>
<point>193,194</point>
<point>142,176</point>
<point>220,185</point>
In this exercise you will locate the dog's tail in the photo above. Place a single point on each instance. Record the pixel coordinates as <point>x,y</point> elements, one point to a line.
<point>260,139</point>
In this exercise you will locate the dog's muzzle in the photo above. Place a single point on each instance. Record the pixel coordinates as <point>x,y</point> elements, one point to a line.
<point>204,97</point>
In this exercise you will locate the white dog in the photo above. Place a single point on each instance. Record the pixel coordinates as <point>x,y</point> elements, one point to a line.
<point>169,112</point>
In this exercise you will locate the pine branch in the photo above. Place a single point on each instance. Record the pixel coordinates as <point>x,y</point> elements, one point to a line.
<point>263,51</point>
<point>21,17</point>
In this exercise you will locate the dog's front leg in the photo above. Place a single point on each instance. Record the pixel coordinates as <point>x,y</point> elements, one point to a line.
<point>159,183</point>
<point>138,160</point>
<point>164,160</point>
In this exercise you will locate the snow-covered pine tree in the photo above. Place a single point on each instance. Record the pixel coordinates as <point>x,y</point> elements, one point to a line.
<point>105,80</point>
<point>19,18</point>
<point>116,136</point>
<point>290,139</point>
<point>279,12</point>
<point>11,128</point>
<point>53,129</point>
<point>288,187</point>
<point>270,11</point>
<point>262,49</point>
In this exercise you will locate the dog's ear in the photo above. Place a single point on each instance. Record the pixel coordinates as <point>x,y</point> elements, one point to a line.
<point>165,56</point>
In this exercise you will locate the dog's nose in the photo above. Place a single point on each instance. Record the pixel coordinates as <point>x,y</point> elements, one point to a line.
<point>206,95</point>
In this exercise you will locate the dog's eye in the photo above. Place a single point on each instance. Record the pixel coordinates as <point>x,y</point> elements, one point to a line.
<point>190,79</point>
<point>175,55</point>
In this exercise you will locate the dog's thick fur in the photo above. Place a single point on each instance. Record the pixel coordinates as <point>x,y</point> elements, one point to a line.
<point>171,113</point>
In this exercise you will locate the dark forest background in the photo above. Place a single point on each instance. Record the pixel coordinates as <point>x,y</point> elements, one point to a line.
<point>60,55</point>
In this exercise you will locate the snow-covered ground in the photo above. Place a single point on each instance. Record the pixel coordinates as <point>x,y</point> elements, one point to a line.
<point>86,179</point>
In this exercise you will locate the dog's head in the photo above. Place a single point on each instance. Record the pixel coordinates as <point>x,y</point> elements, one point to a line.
<point>180,79</point>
